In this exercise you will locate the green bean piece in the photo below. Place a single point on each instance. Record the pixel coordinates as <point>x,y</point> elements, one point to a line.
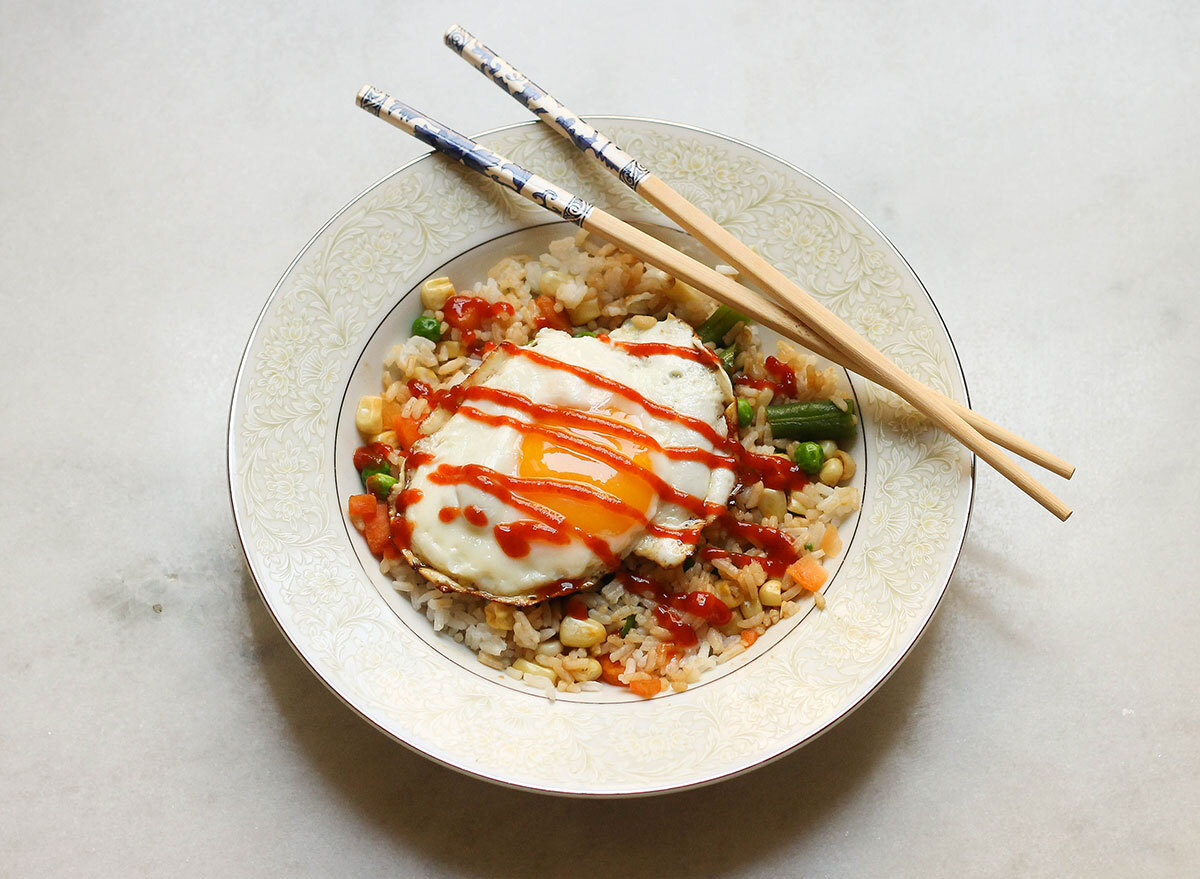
<point>809,456</point>
<point>745,412</point>
<point>728,356</point>
<point>591,333</point>
<point>381,484</point>
<point>719,323</point>
<point>815,420</point>
<point>427,327</point>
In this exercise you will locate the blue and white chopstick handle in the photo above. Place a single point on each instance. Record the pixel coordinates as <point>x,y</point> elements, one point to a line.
<point>630,171</point>
<point>476,157</point>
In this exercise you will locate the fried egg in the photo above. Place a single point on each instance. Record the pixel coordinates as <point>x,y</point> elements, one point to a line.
<point>563,457</point>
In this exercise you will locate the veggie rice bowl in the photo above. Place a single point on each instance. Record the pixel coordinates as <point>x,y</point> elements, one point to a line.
<point>669,583</point>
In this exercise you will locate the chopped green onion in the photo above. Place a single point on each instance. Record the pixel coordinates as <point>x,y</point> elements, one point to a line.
<point>628,625</point>
<point>591,333</point>
<point>809,547</point>
<point>427,327</point>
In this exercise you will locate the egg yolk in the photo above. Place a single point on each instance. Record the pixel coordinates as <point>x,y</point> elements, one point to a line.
<point>621,480</point>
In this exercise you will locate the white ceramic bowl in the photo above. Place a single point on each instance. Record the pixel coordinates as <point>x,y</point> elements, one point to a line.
<point>351,294</point>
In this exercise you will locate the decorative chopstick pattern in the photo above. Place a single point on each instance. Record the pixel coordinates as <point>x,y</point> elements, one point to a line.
<point>540,102</point>
<point>475,156</point>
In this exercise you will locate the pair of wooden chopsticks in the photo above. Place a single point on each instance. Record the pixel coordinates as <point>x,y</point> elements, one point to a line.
<point>793,313</point>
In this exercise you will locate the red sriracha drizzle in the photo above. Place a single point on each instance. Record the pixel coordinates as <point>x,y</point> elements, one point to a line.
<point>708,607</point>
<point>785,376</point>
<point>468,313</point>
<point>681,633</point>
<point>782,381</point>
<point>514,537</point>
<point>402,527</point>
<point>668,606</point>
<point>373,455</point>
<point>775,471</point>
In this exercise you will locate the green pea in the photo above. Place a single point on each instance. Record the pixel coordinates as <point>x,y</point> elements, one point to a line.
<point>381,484</point>
<point>745,412</point>
<point>809,456</point>
<point>367,472</point>
<point>428,327</point>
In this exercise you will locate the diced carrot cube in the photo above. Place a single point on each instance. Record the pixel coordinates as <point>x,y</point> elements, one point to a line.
<point>550,318</point>
<point>609,669</point>
<point>363,506</point>
<point>749,636</point>
<point>407,431</point>
<point>808,573</point>
<point>831,542</point>
<point>646,687</point>
<point>378,531</point>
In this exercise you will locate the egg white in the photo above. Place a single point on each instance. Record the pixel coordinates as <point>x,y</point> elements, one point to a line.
<point>470,556</point>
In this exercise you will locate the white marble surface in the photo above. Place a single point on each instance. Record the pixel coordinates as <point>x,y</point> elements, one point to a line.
<point>161,164</point>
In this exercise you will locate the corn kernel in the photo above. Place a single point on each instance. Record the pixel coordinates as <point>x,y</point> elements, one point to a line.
<point>831,472</point>
<point>772,502</point>
<point>585,311</point>
<point>551,281</point>
<point>435,292</point>
<point>525,667</point>
<point>591,673</point>
<point>771,593</point>
<point>369,416</point>
<point>580,633</point>
<point>388,437</point>
<point>500,617</point>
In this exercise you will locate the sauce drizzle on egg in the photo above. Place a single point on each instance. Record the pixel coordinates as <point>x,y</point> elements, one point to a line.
<point>611,445</point>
